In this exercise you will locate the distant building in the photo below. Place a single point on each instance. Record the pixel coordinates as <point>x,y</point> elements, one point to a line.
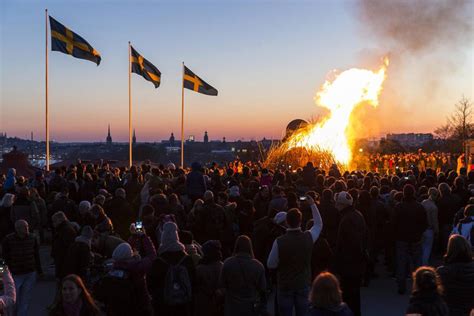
<point>134,138</point>
<point>223,139</point>
<point>108,140</point>
<point>206,138</point>
<point>411,139</point>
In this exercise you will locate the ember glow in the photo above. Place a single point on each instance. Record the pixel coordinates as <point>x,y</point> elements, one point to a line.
<point>340,96</point>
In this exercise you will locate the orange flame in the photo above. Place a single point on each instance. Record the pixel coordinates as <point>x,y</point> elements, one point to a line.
<point>340,97</point>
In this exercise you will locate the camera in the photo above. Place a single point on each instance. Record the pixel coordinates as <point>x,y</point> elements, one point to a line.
<point>139,227</point>
<point>2,265</point>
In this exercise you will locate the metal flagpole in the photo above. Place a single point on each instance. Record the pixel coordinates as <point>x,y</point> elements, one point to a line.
<point>130,104</point>
<point>46,93</point>
<point>182,120</point>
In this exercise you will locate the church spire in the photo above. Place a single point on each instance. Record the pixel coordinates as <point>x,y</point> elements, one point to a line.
<point>108,140</point>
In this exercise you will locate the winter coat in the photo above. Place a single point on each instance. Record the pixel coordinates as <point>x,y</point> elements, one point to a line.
<point>120,212</point>
<point>26,210</point>
<point>64,236</point>
<point>205,296</point>
<point>79,258</point>
<point>350,255</point>
<point>410,221</point>
<point>458,283</point>
<point>21,254</point>
<point>243,278</point>
<point>195,185</point>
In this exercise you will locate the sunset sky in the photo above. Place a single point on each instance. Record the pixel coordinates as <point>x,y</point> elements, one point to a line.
<point>267,59</point>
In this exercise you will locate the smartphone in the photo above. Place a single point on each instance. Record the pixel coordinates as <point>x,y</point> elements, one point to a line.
<point>406,178</point>
<point>2,265</point>
<point>139,227</point>
<point>302,198</point>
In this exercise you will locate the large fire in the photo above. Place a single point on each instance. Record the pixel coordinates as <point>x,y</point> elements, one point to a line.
<point>340,96</point>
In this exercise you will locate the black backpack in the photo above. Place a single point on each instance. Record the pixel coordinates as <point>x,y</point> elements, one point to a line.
<point>177,286</point>
<point>117,291</point>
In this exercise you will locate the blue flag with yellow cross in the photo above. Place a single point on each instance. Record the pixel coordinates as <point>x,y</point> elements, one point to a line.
<point>193,82</point>
<point>66,41</point>
<point>144,68</point>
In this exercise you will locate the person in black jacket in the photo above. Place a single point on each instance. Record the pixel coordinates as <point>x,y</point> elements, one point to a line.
<point>457,276</point>
<point>79,257</point>
<point>350,255</point>
<point>409,222</point>
<point>21,253</point>
<point>426,299</point>
<point>64,235</point>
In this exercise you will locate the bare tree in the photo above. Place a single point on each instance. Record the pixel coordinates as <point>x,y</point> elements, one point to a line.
<point>459,124</point>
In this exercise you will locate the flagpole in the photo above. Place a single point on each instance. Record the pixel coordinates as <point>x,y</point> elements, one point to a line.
<point>46,93</point>
<point>182,120</point>
<point>129,105</point>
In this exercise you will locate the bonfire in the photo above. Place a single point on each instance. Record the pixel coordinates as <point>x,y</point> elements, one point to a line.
<point>329,141</point>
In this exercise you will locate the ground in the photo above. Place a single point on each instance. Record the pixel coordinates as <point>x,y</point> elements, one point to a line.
<point>380,298</point>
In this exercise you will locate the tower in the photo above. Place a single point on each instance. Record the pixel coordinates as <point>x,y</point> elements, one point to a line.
<point>206,138</point>
<point>223,140</point>
<point>172,140</point>
<point>108,140</point>
<point>134,138</point>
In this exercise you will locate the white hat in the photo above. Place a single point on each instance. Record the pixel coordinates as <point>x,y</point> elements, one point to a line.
<point>280,217</point>
<point>122,251</point>
<point>343,199</point>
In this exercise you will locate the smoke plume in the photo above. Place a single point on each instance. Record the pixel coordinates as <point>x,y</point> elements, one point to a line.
<point>417,25</point>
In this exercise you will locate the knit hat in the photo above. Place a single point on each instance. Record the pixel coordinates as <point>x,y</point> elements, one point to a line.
<point>169,238</point>
<point>234,191</point>
<point>343,199</point>
<point>280,217</point>
<point>122,251</point>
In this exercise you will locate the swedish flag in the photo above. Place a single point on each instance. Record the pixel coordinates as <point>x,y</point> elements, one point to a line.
<point>193,82</point>
<point>66,41</point>
<point>144,68</point>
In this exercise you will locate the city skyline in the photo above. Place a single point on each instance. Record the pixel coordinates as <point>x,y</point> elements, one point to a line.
<point>267,73</point>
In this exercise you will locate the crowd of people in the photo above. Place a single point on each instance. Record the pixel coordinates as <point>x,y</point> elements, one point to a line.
<point>221,240</point>
<point>392,163</point>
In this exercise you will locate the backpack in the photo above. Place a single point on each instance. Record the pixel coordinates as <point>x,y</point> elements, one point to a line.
<point>116,290</point>
<point>177,285</point>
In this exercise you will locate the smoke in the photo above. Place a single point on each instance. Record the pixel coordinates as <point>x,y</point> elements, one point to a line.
<point>429,42</point>
<point>418,25</point>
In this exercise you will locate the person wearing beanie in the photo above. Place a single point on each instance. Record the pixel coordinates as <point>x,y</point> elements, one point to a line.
<point>171,253</point>
<point>128,267</point>
<point>410,222</point>
<point>280,218</point>
<point>208,270</point>
<point>350,254</point>
<point>79,255</point>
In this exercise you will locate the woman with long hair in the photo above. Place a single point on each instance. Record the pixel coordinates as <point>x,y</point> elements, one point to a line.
<point>325,297</point>
<point>426,297</point>
<point>457,276</point>
<point>74,299</point>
